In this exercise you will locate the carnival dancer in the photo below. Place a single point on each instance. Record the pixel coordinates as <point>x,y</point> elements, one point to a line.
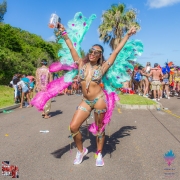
<point>177,81</point>
<point>91,70</point>
<point>43,77</point>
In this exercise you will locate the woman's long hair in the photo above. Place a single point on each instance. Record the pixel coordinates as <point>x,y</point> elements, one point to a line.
<point>100,60</point>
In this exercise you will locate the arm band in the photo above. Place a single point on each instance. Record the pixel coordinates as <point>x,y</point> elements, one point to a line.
<point>77,61</point>
<point>108,63</point>
<point>64,33</point>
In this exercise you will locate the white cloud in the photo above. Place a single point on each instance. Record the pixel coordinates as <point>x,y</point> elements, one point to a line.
<point>51,38</point>
<point>161,3</point>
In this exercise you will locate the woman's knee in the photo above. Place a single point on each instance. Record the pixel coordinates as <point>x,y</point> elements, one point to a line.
<point>74,127</point>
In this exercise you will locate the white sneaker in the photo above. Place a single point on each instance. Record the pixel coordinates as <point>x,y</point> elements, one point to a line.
<point>79,156</point>
<point>168,97</point>
<point>158,99</point>
<point>154,99</point>
<point>99,160</point>
<point>176,94</point>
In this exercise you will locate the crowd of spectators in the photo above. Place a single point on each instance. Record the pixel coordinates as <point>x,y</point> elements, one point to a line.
<point>23,88</point>
<point>151,82</point>
<point>154,82</point>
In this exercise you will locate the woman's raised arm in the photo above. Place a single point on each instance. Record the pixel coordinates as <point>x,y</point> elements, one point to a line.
<point>73,51</point>
<point>114,54</point>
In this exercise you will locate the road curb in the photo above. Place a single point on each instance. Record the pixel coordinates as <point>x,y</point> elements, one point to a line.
<point>139,107</point>
<point>9,107</point>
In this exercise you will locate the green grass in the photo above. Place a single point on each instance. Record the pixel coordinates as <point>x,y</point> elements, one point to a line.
<point>6,96</point>
<point>135,100</point>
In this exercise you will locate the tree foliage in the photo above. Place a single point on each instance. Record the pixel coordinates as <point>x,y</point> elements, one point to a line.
<point>83,54</point>
<point>21,51</point>
<point>116,21</point>
<point>3,9</point>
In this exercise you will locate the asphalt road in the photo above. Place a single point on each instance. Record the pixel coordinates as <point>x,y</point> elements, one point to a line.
<point>135,150</point>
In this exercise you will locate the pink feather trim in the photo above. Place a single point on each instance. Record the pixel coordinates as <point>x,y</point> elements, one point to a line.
<point>57,66</point>
<point>111,100</point>
<point>93,129</point>
<point>116,97</point>
<point>53,88</point>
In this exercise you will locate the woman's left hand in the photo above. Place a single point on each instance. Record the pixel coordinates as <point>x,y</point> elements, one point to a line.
<point>132,31</point>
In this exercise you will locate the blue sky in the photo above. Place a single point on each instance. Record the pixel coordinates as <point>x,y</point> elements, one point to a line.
<point>159,20</point>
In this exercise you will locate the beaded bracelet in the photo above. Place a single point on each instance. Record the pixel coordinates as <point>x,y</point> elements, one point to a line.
<point>63,33</point>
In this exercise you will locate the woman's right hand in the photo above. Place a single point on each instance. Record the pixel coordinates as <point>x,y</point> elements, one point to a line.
<point>60,27</point>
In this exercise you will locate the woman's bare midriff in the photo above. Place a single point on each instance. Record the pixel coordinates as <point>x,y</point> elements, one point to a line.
<point>93,91</point>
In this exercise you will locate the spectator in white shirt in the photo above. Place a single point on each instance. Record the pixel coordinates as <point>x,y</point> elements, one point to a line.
<point>25,92</point>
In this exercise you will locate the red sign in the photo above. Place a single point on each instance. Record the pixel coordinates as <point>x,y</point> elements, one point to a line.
<point>9,170</point>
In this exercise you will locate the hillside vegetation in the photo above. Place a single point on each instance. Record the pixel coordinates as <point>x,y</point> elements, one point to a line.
<point>21,51</point>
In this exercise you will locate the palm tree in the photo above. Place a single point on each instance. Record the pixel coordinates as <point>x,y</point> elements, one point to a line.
<point>3,9</point>
<point>116,21</point>
<point>83,54</point>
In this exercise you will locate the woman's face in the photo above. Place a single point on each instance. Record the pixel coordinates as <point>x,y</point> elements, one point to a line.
<point>95,53</point>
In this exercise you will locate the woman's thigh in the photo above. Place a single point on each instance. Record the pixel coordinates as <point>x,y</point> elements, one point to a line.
<point>101,104</point>
<point>147,82</point>
<point>166,86</point>
<point>80,116</point>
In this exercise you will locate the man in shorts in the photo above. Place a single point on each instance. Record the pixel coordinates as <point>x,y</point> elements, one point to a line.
<point>155,73</point>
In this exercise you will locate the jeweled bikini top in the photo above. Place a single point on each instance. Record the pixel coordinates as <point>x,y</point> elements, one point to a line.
<point>96,75</point>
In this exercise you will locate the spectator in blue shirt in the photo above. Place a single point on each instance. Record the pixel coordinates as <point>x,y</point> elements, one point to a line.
<point>25,80</point>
